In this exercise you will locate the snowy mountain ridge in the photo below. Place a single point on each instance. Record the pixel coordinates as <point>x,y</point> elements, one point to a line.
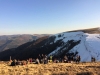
<point>89,45</point>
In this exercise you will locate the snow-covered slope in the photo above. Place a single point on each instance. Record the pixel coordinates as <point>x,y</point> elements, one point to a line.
<point>88,45</point>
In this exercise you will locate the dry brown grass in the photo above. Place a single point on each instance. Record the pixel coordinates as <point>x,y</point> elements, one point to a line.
<point>51,69</point>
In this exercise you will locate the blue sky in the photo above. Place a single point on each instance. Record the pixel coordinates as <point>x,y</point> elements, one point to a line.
<point>47,16</point>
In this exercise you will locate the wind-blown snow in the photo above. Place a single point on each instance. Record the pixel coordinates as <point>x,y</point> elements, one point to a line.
<point>93,43</point>
<point>87,48</point>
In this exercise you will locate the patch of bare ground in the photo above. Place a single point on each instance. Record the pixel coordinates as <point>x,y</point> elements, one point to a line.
<point>51,69</point>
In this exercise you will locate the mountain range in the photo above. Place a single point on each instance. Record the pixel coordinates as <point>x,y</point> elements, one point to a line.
<point>83,42</point>
<point>13,41</point>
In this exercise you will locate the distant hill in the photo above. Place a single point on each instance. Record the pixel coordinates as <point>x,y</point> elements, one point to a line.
<point>13,41</point>
<point>85,43</point>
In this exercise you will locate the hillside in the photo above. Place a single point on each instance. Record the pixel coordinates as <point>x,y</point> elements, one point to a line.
<point>13,41</point>
<point>74,42</point>
<point>90,31</point>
